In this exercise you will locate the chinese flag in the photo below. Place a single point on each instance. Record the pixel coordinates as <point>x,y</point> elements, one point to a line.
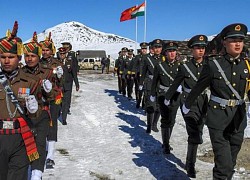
<point>126,15</point>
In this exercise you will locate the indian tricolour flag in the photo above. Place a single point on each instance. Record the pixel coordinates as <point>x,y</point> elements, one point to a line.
<point>139,11</point>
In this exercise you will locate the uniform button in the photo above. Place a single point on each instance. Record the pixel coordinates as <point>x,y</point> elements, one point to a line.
<point>233,95</point>
<point>234,73</point>
<point>234,62</point>
<point>171,72</point>
<point>220,77</point>
<point>215,107</point>
<point>198,73</point>
<point>234,84</point>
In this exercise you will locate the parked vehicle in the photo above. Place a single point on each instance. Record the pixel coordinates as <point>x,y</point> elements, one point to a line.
<point>90,63</point>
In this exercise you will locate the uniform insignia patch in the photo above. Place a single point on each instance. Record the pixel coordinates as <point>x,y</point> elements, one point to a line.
<point>23,92</point>
<point>245,71</point>
<point>201,38</point>
<point>237,28</point>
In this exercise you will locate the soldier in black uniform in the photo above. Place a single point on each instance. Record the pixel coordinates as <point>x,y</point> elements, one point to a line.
<point>164,74</point>
<point>188,73</point>
<point>121,63</point>
<point>117,71</point>
<point>146,78</point>
<point>129,77</point>
<point>135,71</point>
<point>226,76</point>
<point>70,66</point>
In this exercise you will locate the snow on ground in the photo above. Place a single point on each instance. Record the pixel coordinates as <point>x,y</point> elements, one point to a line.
<point>105,139</point>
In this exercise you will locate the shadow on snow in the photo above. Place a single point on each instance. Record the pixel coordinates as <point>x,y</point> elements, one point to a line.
<point>162,167</point>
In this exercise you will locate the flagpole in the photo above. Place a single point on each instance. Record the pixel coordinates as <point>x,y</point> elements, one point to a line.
<point>136,34</point>
<point>145,22</point>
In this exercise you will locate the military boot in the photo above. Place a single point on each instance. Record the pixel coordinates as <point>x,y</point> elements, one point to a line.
<point>155,120</point>
<point>191,159</point>
<point>138,102</point>
<point>149,122</point>
<point>165,133</point>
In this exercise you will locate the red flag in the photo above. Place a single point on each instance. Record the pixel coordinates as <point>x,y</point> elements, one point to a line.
<point>126,15</point>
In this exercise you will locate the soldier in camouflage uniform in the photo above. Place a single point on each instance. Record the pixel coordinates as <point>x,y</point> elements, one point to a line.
<point>164,74</point>
<point>146,78</point>
<point>188,73</point>
<point>17,144</point>
<point>227,76</point>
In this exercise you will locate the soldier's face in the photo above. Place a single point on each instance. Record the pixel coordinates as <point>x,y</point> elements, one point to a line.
<point>144,51</point>
<point>62,55</point>
<point>46,52</point>
<point>157,50</point>
<point>9,61</point>
<point>171,54</point>
<point>151,50</point>
<point>198,52</point>
<point>31,59</point>
<point>234,46</point>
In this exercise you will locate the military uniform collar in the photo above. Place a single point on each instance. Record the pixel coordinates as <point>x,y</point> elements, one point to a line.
<point>197,64</point>
<point>232,59</point>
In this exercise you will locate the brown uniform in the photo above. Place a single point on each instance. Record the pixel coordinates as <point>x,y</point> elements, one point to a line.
<point>42,122</point>
<point>15,152</point>
<point>55,105</point>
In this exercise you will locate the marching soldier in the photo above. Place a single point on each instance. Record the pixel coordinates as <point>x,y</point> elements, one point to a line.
<point>146,78</point>
<point>122,61</point>
<point>135,71</point>
<point>188,73</point>
<point>32,54</point>
<point>117,71</point>
<point>49,62</point>
<point>164,74</point>
<point>226,117</point>
<point>69,74</point>
<point>17,144</point>
<point>129,78</point>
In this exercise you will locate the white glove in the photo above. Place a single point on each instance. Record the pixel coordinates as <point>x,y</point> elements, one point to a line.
<point>248,112</point>
<point>31,104</point>
<point>184,109</point>
<point>140,87</point>
<point>166,102</point>
<point>59,71</point>
<point>179,89</point>
<point>152,98</point>
<point>47,85</point>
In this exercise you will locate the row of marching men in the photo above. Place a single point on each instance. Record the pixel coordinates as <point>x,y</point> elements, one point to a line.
<point>30,103</point>
<point>169,84</point>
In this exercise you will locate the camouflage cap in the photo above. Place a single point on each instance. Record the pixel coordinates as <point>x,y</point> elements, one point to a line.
<point>198,40</point>
<point>11,43</point>
<point>236,30</point>
<point>33,46</point>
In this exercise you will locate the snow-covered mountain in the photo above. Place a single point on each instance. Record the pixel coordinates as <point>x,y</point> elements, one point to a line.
<point>84,38</point>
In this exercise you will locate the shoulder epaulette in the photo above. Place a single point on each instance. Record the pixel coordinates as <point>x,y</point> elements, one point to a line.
<point>163,59</point>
